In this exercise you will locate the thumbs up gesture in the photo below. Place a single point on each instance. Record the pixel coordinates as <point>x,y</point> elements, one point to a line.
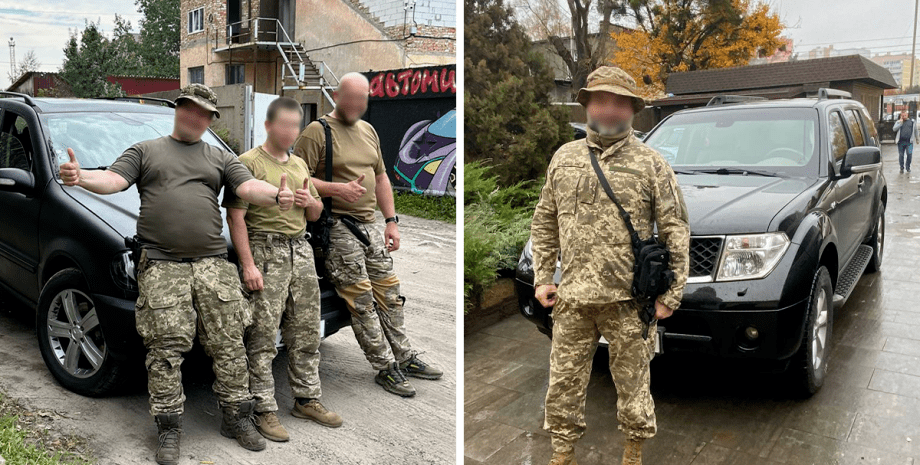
<point>285,197</point>
<point>353,190</point>
<point>302,197</point>
<point>70,171</point>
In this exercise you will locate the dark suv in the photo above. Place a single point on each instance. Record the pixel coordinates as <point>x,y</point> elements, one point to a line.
<point>787,211</point>
<point>63,249</point>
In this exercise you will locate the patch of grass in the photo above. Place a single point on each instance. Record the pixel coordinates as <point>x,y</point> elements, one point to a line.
<point>27,439</point>
<point>440,208</point>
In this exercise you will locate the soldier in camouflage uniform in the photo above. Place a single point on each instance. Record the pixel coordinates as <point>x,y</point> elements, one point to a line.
<point>363,272</point>
<point>278,268</point>
<point>186,285</point>
<point>575,217</point>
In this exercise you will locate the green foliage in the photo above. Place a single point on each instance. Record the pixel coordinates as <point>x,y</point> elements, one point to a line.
<point>431,207</point>
<point>88,61</point>
<point>224,135</point>
<point>496,227</point>
<point>509,121</point>
<point>90,57</point>
<point>15,449</point>
<point>159,37</point>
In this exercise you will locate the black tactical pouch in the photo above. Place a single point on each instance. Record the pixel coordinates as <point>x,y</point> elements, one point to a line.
<point>319,230</point>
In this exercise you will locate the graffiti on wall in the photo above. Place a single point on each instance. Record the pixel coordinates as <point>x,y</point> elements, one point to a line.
<point>414,113</point>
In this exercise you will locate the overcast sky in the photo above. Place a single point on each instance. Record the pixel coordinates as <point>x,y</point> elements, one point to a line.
<point>45,25</point>
<point>881,26</point>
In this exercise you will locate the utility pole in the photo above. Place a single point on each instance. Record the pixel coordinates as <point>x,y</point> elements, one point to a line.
<point>12,56</point>
<point>913,46</point>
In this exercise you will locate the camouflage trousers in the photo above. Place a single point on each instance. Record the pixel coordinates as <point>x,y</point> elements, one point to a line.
<point>167,320</point>
<point>290,298</point>
<point>364,278</point>
<point>576,330</point>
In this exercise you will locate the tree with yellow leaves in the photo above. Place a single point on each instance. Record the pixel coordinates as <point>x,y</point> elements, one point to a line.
<point>687,35</point>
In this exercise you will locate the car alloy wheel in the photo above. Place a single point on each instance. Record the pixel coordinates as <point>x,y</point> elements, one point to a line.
<point>819,334</point>
<point>74,333</point>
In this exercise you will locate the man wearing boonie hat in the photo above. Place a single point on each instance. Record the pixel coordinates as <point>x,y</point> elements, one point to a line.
<point>186,285</point>
<point>575,217</point>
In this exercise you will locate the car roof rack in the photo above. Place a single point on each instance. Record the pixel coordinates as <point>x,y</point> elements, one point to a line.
<point>142,100</point>
<point>25,97</point>
<point>726,99</point>
<point>825,93</point>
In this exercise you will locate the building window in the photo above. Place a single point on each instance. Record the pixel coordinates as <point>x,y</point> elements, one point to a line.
<point>196,75</point>
<point>196,20</point>
<point>236,74</point>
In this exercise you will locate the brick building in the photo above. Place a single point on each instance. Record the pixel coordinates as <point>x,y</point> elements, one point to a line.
<point>278,44</point>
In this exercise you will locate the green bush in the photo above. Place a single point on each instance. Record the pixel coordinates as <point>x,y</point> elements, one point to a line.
<point>496,226</point>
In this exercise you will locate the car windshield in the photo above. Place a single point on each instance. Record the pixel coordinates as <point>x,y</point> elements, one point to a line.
<point>98,138</point>
<point>764,140</point>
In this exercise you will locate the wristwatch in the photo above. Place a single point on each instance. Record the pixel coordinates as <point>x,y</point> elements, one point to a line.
<point>392,219</point>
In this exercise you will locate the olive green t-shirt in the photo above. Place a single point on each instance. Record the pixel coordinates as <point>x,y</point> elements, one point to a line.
<point>179,184</point>
<point>267,168</point>
<point>356,151</point>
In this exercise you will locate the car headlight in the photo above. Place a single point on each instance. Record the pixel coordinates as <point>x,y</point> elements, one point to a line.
<point>123,271</point>
<point>525,263</point>
<point>751,256</point>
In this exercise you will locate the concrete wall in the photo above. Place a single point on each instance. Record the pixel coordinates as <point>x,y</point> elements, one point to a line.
<point>321,23</point>
<point>427,12</point>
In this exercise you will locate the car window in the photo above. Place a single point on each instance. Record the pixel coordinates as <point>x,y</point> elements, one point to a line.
<point>15,142</point>
<point>837,136</point>
<point>855,129</point>
<point>871,130</point>
<point>99,138</point>
<point>780,140</point>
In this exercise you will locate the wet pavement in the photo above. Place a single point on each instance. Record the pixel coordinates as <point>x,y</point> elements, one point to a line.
<point>714,412</point>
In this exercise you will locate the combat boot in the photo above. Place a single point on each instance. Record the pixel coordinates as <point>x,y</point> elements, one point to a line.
<point>393,380</point>
<point>563,458</point>
<point>268,424</point>
<point>238,424</point>
<point>313,410</point>
<point>632,453</point>
<point>419,369</point>
<point>169,427</point>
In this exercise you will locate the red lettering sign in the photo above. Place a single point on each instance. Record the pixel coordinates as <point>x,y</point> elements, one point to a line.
<point>413,82</point>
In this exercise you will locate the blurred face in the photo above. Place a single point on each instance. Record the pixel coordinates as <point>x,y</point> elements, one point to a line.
<point>191,121</point>
<point>609,114</point>
<point>351,100</point>
<point>903,115</point>
<point>284,129</point>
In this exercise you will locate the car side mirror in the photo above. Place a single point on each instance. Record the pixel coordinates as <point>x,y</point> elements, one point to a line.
<point>16,180</point>
<point>860,160</point>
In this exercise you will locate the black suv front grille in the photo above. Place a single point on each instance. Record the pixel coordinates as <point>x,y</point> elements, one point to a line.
<point>704,255</point>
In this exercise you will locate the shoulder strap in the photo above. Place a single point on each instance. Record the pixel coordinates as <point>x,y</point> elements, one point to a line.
<point>327,201</point>
<point>606,185</point>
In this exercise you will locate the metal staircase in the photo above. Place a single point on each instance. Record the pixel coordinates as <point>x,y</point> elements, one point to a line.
<point>297,70</point>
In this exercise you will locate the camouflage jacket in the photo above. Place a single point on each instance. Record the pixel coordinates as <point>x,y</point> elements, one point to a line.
<point>575,216</point>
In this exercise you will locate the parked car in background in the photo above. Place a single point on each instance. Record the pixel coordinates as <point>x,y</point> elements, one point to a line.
<point>787,211</point>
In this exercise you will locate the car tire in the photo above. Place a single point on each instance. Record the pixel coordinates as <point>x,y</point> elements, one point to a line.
<point>877,242</point>
<point>70,337</point>
<point>809,364</point>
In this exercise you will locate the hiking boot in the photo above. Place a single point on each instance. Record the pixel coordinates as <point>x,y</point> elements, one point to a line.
<point>238,424</point>
<point>632,453</point>
<point>419,369</point>
<point>169,427</point>
<point>393,380</point>
<point>563,458</point>
<point>313,410</point>
<point>269,426</point>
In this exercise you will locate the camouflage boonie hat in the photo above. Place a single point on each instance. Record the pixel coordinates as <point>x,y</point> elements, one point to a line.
<point>201,95</point>
<point>614,80</point>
